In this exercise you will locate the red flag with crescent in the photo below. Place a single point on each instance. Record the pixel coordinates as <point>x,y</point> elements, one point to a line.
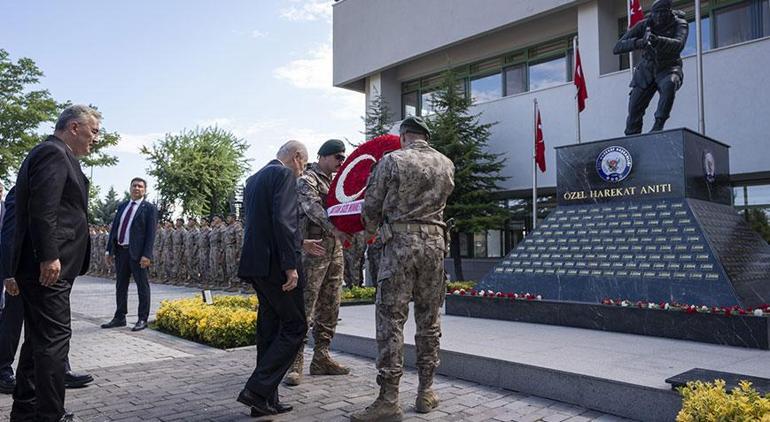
<point>346,193</point>
<point>635,13</point>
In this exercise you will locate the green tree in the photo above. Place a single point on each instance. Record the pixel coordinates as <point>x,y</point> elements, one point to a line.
<point>757,219</point>
<point>199,168</point>
<point>459,135</point>
<point>378,119</point>
<point>22,110</point>
<point>103,210</point>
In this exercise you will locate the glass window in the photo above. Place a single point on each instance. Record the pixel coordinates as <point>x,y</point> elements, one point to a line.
<point>758,195</point>
<point>732,24</point>
<point>464,247</point>
<point>494,243</point>
<point>690,45</point>
<point>765,7</point>
<point>486,88</point>
<point>548,73</point>
<point>409,104</point>
<point>515,79</point>
<point>479,245</point>
<point>426,102</point>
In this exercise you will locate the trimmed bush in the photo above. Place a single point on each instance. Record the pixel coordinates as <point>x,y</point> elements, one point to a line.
<point>358,293</point>
<point>707,402</point>
<point>230,322</point>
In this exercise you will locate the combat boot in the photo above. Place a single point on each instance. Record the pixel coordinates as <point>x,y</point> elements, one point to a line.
<point>294,376</point>
<point>323,364</point>
<point>385,408</point>
<point>427,399</point>
<point>658,126</point>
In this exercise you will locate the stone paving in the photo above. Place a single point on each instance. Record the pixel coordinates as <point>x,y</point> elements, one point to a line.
<point>150,376</point>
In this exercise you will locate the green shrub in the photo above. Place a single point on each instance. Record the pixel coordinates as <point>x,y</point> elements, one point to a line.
<point>230,322</point>
<point>359,293</point>
<point>709,402</point>
<point>457,285</point>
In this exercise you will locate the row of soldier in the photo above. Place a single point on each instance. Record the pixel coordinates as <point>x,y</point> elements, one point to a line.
<point>206,255</point>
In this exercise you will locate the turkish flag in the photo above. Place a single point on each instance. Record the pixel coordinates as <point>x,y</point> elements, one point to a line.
<point>539,143</point>
<point>580,82</point>
<point>635,13</point>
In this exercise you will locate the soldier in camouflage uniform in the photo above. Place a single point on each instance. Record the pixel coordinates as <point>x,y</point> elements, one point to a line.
<point>216,249</point>
<point>180,275</point>
<point>169,260</point>
<point>203,253</point>
<point>405,197</point>
<point>191,251</point>
<point>106,269</point>
<point>230,242</point>
<point>323,274</point>
<point>373,256</point>
<point>157,264</point>
<point>354,260</point>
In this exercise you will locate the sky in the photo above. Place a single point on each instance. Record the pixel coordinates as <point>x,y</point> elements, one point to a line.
<point>259,68</point>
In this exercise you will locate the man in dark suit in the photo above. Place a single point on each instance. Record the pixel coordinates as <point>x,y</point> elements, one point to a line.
<point>12,316</point>
<point>270,262</point>
<point>51,248</point>
<point>130,243</point>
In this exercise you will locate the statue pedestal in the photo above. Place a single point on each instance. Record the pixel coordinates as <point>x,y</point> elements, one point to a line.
<point>642,218</point>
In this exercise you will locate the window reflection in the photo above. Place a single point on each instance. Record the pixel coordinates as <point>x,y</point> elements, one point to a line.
<point>409,101</point>
<point>515,79</point>
<point>486,88</point>
<point>548,73</point>
<point>691,44</point>
<point>733,24</point>
<point>427,103</point>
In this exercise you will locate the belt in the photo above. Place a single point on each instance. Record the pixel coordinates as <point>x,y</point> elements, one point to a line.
<point>417,228</point>
<point>123,246</point>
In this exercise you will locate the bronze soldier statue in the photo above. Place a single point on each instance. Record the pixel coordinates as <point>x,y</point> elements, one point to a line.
<point>661,36</point>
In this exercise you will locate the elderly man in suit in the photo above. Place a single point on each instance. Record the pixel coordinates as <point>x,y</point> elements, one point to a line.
<point>131,244</point>
<point>270,262</point>
<point>51,248</point>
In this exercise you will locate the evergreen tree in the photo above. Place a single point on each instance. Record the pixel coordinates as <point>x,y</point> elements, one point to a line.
<point>103,210</point>
<point>459,135</point>
<point>378,119</point>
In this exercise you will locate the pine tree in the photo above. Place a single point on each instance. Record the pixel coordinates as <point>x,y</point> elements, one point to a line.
<point>460,136</point>
<point>378,119</point>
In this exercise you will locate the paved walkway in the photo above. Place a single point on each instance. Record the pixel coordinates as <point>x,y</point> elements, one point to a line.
<point>150,376</point>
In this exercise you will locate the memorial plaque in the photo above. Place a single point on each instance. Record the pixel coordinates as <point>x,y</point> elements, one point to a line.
<point>664,274</point>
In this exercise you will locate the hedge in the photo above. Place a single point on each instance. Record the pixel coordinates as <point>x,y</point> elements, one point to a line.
<point>706,402</point>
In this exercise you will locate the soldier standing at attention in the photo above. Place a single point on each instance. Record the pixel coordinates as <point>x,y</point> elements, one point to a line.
<point>323,274</point>
<point>230,241</point>
<point>169,260</point>
<point>180,275</point>
<point>405,197</point>
<point>216,248</point>
<point>203,253</point>
<point>157,267</point>
<point>191,250</point>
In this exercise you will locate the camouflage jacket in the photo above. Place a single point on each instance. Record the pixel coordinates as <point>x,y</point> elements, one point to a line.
<point>191,240</point>
<point>312,188</point>
<point>410,185</point>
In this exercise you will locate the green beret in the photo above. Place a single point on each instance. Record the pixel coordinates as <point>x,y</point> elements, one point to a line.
<point>331,147</point>
<point>415,124</point>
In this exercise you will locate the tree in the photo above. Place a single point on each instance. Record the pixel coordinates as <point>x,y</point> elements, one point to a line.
<point>460,136</point>
<point>378,119</point>
<point>22,111</point>
<point>103,211</point>
<point>758,221</point>
<point>199,168</point>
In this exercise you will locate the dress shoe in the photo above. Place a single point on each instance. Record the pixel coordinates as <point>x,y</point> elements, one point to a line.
<point>279,408</point>
<point>259,406</point>
<point>140,325</point>
<point>68,417</point>
<point>7,383</point>
<point>114,323</point>
<point>75,380</point>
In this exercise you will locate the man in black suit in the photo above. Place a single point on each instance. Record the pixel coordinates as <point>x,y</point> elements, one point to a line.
<point>51,248</point>
<point>130,243</point>
<point>270,262</point>
<point>12,316</point>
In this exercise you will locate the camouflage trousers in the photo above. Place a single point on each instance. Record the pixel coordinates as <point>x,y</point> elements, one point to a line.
<point>354,260</point>
<point>181,268</point>
<point>412,267</point>
<point>170,264</point>
<point>216,270</point>
<point>373,257</point>
<point>203,267</point>
<point>231,266</point>
<point>192,268</point>
<point>323,284</point>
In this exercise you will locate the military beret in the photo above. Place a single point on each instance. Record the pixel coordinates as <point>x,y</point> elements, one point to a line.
<point>662,5</point>
<point>331,147</point>
<point>415,124</point>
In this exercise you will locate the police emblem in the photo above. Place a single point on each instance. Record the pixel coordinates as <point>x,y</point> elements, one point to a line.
<point>709,167</point>
<point>614,164</point>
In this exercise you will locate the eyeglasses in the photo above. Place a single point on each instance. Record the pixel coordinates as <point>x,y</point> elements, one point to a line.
<point>340,157</point>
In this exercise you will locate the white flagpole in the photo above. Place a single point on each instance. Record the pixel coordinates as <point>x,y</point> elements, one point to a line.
<point>577,90</point>
<point>534,169</point>
<point>699,68</point>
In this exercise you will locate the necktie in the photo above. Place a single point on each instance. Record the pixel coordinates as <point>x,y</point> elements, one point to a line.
<point>124,225</point>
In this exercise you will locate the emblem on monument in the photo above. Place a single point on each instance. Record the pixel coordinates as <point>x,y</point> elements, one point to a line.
<point>709,167</point>
<point>614,164</point>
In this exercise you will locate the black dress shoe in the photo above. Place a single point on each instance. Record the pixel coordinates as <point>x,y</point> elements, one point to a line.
<point>279,407</point>
<point>140,325</point>
<point>74,380</point>
<point>68,417</point>
<point>259,406</point>
<point>7,383</point>
<point>114,323</point>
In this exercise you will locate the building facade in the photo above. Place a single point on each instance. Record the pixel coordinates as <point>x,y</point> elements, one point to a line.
<point>507,53</point>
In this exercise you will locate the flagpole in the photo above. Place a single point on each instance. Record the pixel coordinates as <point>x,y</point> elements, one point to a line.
<point>699,68</point>
<point>631,53</point>
<point>577,90</point>
<point>534,167</point>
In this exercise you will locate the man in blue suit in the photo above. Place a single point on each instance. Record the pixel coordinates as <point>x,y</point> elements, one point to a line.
<point>130,245</point>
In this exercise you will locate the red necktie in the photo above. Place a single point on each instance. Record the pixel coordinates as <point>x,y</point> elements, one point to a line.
<point>124,226</point>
